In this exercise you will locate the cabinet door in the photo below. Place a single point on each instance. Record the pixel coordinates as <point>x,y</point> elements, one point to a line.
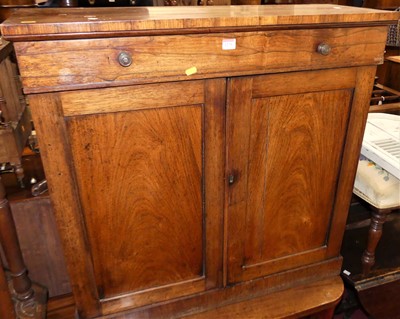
<point>286,141</point>
<point>147,168</point>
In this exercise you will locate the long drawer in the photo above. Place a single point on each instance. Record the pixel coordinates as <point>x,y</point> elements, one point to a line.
<point>75,64</point>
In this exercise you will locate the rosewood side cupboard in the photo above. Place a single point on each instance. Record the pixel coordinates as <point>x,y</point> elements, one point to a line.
<point>200,157</point>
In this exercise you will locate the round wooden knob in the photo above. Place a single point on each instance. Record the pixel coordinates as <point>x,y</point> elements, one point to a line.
<point>324,49</point>
<point>125,59</point>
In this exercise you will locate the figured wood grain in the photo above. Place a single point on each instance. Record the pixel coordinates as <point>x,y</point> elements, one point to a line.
<point>77,21</point>
<point>143,192</point>
<point>351,151</point>
<point>288,176</point>
<point>45,66</point>
<point>50,126</point>
<point>141,212</point>
<point>138,97</point>
<point>315,81</point>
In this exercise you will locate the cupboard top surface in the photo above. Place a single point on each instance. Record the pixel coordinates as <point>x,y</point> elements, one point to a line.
<point>99,22</point>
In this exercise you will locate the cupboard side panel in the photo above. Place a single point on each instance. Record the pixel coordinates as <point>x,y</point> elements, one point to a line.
<point>56,155</point>
<point>351,153</point>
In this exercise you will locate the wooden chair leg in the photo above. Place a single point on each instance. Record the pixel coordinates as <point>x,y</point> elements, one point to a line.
<point>374,236</point>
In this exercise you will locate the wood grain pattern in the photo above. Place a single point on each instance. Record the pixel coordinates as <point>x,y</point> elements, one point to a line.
<point>14,137</point>
<point>179,308</point>
<point>45,66</point>
<point>304,297</point>
<point>139,97</point>
<point>40,243</point>
<point>10,92</point>
<point>214,167</point>
<point>180,187</point>
<point>50,125</point>
<point>159,199</point>
<point>276,305</point>
<point>288,178</point>
<point>351,151</point>
<point>78,21</point>
<point>144,192</point>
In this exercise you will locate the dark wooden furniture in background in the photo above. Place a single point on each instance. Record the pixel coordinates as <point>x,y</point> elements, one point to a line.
<point>186,177</point>
<point>382,4</point>
<point>392,75</point>
<point>15,126</point>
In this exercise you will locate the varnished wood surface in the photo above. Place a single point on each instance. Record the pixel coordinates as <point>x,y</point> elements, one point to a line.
<point>94,63</point>
<point>171,222</point>
<point>50,125</point>
<point>131,198</point>
<point>5,49</point>
<point>304,298</point>
<point>292,303</point>
<point>351,151</point>
<point>149,220</point>
<point>50,22</point>
<point>267,210</point>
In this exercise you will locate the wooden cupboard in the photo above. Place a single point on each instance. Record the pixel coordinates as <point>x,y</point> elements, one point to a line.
<point>199,157</point>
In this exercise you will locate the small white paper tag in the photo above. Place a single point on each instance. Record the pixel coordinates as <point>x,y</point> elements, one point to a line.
<point>346,272</point>
<point>228,44</point>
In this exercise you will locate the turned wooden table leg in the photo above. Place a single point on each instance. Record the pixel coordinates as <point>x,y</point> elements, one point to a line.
<point>28,300</point>
<point>6,304</point>
<point>374,235</point>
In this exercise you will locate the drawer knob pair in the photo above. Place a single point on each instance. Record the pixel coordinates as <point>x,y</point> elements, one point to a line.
<point>124,59</point>
<point>324,49</point>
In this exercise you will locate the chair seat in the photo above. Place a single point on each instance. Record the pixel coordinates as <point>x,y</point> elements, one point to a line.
<point>376,186</point>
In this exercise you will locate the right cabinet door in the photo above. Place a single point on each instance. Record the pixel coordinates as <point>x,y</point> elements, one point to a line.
<point>287,136</point>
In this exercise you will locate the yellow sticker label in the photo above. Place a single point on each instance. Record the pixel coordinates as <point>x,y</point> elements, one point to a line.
<point>191,71</point>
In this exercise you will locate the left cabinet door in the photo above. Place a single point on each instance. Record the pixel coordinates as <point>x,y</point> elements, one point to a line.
<point>138,201</point>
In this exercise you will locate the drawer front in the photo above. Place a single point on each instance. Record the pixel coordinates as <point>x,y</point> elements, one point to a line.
<point>72,64</point>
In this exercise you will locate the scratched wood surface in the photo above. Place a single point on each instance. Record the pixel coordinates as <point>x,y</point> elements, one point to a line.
<point>84,20</point>
<point>94,62</point>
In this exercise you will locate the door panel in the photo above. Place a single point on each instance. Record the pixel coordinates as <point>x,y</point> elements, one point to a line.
<point>286,173</point>
<point>140,173</point>
<point>147,198</point>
